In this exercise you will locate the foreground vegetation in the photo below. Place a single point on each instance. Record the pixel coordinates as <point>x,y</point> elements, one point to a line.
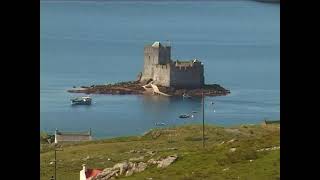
<point>215,161</point>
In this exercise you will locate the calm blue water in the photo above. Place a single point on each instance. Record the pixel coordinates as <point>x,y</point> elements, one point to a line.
<point>87,42</point>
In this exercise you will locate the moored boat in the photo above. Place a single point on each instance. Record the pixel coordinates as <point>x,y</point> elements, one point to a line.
<point>81,100</point>
<point>186,96</point>
<point>184,116</point>
<point>160,124</point>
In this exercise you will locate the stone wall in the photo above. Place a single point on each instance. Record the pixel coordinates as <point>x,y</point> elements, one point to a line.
<point>162,75</point>
<point>164,54</point>
<point>187,76</point>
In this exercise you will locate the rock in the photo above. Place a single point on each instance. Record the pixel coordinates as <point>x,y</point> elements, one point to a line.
<point>231,141</point>
<point>129,172</point>
<point>151,152</point>
<point>141,166</point>
<point>130,169</point>
<point>86,158</point>
<point>250,160</point>
<point>106,174</point>
<point>167,161</point>
<point>172,149</point>
<point>269,149</point>
<point>123,167</point>
<point>221,143</point>
<point>109,159</point>
<point>226,169</point>
<point>137,158</point>
<point>233,149</point>
<point>152,161</point>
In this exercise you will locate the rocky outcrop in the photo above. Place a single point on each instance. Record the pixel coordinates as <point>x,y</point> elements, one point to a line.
<point>135,87</point>
<point>135,168</point>
<point>165,162</point>
<point>269,149</point>
<point>128,168</point>
<point>137,158</point>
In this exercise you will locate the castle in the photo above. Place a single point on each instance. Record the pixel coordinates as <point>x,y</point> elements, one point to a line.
<point>163,71</point>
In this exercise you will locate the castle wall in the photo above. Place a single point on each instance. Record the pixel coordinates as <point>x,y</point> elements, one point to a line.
<point>164,55</point>
<point>187,76</point>
<point>162,75</point>
<point>150,59</point>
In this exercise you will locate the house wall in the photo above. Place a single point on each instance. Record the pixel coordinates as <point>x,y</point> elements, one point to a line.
<point>83,175</point>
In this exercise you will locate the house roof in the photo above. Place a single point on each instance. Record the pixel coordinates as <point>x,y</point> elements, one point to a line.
<point>92,172</point>
<point>87,133</point>
<point>72,136</point>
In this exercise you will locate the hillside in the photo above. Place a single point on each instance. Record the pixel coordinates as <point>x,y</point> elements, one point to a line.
<point>243,152</point>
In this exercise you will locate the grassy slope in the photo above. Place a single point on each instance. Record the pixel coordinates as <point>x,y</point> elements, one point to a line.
<point>194,162</point>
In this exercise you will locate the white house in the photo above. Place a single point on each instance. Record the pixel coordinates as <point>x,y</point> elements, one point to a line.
<point>88,174</point>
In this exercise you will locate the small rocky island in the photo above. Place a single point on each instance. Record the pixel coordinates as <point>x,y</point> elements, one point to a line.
<point>135,87</point>
<point>161,76</point>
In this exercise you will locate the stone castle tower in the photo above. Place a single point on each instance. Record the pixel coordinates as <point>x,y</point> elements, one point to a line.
<point>153,55</point>
<point>159,67</point>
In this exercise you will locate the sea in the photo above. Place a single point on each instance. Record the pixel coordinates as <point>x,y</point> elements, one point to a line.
<point>86,42</point>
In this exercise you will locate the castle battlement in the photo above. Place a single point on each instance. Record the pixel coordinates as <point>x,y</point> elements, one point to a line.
<point>159,67</point>
<point>188,64</point>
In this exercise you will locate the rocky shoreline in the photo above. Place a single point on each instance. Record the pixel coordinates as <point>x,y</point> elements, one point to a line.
<point>135,87</point>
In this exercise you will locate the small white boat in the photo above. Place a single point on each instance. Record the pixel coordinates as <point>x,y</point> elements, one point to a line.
<point>186,96</point>
<point>160,124</point>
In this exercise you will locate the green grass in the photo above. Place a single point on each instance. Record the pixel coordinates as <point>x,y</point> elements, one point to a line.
<point>194,162</point>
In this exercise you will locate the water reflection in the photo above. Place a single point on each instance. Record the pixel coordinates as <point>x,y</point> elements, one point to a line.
<point>161,109</point>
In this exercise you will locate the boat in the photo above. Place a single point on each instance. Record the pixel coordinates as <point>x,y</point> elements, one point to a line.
<point>194,112</point>
<point>184,116</point>
<point>160,124</point>
<point>86,100</point>
<point>186,96</point>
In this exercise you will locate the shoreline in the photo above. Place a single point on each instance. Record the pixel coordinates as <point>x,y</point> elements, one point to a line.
<point>101,138</point>
<point>135,87</point>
